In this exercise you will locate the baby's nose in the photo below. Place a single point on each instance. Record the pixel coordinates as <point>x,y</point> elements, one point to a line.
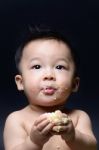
<point>49,75</point>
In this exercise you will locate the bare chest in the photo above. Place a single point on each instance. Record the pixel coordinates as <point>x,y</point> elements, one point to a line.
<point>56,143</point>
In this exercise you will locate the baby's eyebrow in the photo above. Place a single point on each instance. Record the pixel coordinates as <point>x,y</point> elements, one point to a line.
<point>63,59</point>
<point>35,58</point>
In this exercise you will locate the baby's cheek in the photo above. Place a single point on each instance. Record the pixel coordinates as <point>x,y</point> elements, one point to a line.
<point>64,88</point>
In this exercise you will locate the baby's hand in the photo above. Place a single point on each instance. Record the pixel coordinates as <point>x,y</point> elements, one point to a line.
<point>68,131</point>
<point>62,125</point>
<point>40,132</point>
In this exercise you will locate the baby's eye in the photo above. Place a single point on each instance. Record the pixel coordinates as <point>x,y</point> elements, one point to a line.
<point>60,67</point>
<point>36,67</point>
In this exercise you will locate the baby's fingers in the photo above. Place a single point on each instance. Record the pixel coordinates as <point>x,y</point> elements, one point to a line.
<point>41,125</point>
<point>40,119</point>
<point>47,130</point>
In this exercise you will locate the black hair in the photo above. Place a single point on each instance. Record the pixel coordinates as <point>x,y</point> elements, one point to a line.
<point>38,32</point>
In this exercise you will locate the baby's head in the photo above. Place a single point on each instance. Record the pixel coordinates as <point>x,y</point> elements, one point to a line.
<point>47,65</point>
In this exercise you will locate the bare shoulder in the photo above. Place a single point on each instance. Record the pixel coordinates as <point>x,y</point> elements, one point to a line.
<point>80,118</point>
<point>83,116</point>
<point>13,120</point>
<point>84,123</point>
<point>77,111</point>
<point>15,116</point>
<point>79,114</point>
<point>14,129</point>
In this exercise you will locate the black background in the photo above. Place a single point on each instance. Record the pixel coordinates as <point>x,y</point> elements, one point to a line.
<point>78,17</point>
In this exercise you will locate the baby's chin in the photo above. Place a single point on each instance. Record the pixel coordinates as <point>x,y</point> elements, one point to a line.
<point>51,109</point>
<point>51,103</point>
<point>59,119</point>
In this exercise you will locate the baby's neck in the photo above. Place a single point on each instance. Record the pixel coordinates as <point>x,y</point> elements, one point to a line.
<point>41,109</point>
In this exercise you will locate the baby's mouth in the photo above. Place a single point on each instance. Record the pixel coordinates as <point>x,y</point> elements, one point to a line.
<point>49,90</point>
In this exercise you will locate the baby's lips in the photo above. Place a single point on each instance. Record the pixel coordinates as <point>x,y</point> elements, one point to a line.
<point>48,90</point>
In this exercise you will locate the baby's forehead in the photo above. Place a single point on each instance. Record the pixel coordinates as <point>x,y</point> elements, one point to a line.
<point>47,44</point>
<point>61,51</point>
<point>49,41</point>
<point>56,54</point>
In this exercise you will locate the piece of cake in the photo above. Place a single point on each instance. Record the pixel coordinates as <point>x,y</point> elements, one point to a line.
<point>59,119</point>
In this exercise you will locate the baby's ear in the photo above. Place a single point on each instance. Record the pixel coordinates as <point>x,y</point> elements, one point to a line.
<point>76,84</point>
<point>19,82</point>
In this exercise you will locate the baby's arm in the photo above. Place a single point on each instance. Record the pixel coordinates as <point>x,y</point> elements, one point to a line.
<point>16,138</point>
<point>84,138</point>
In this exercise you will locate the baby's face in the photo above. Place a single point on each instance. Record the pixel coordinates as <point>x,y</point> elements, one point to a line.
<point>47,72</point>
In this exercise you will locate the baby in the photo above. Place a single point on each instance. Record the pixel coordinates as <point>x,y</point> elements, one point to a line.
<point>47,67</point>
